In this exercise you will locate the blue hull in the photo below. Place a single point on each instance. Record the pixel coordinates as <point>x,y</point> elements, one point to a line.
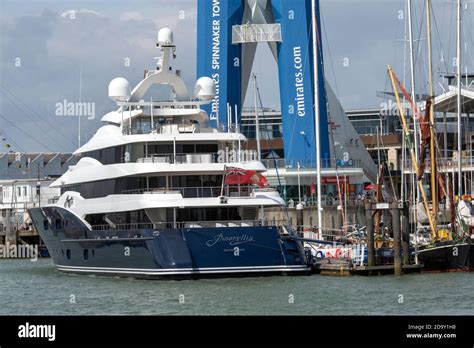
<point>168,253</point>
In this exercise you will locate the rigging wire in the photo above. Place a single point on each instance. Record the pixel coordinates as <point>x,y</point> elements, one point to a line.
<point>43,119</point>
<point>440,42</point>
<point>25,133</point>
<point>10,140</point>
<point>330,55</point>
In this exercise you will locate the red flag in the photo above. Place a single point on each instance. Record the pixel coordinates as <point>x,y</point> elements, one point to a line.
<point>262,181</point>
<point>370,187</point>
<point>313,189</point>
<point>237,176</point>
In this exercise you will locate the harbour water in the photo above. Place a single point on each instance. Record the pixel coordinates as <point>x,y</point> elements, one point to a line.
<point>36,288</point>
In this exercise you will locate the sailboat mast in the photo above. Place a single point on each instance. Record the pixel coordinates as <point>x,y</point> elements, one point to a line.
<point>402,183</point>
<point>412,71</point>
<point>458,67</point>
<point>415,189</point>
<point>395,81</point>
<point>316,115</point>
<point>257,121</point>
<point>434,173</point>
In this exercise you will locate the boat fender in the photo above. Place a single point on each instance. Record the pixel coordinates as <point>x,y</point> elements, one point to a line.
<point>319,255</point>
<point>338,253</point>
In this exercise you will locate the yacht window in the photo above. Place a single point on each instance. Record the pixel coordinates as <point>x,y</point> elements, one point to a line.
<point>206,148</point>
<point>58,224</point>
<point>157,182</point>
<point>45,225</point>
<point>189,148</point>
<point>107,156</point>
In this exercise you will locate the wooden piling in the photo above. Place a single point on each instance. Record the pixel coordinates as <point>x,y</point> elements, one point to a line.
<point>370,234</point>
<point>405,226</point>
<point>397,260</point>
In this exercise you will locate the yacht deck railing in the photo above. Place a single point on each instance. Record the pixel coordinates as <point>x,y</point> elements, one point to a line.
<point>198,192</point>
<point>189,224</point>
<point>199,158</point>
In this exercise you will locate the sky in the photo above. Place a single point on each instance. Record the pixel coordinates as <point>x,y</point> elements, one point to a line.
<point>64,51</point>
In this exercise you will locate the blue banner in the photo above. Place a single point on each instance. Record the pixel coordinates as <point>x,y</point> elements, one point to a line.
<point>220,60</point>
<point>295,64</point>
<point>217,57</point>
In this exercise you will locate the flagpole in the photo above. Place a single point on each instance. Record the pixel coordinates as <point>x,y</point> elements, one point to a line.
<point>317,116</point>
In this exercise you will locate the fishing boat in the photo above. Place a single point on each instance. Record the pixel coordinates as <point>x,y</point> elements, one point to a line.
<point>157,193</point>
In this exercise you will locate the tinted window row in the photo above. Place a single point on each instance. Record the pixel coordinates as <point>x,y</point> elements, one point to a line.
<point>104,188</point>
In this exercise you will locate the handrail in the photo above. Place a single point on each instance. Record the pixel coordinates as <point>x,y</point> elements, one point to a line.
<point>131,226</point>
<point>445,162</point>
<point>230,223</point>
<point>198,192</point>
<point>190,224</point>
<point>327,201</point>
<point>197,158</point>
<point>180,158</point>
<point>182,128</point>
<point>280,163</point>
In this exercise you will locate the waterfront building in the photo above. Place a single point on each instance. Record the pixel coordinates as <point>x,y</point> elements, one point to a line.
<point>24,183</point>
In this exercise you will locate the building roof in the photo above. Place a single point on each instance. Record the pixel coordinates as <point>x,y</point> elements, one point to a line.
<point>447,102</point>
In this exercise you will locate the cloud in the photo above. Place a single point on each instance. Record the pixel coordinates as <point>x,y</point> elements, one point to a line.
<point>52,40</point>
<point>53,44</point>
<point>71,14</point>
<point>131,16</point>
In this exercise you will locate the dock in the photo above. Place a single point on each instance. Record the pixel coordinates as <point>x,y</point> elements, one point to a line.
<point>344,267</point>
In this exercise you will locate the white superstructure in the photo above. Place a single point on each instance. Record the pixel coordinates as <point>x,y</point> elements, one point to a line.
<point>158,162</point>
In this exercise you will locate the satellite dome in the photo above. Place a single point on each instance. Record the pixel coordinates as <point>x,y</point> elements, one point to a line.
<point>205,88</point>
<point>165,37</point>
<point>119,89</point>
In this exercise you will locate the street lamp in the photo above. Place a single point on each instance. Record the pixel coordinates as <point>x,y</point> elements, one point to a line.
<point>303,134</point>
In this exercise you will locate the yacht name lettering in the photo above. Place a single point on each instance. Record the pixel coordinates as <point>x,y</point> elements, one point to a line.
<point>232,240</point>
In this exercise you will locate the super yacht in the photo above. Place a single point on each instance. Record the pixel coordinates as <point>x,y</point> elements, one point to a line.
<point>160,193</point>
